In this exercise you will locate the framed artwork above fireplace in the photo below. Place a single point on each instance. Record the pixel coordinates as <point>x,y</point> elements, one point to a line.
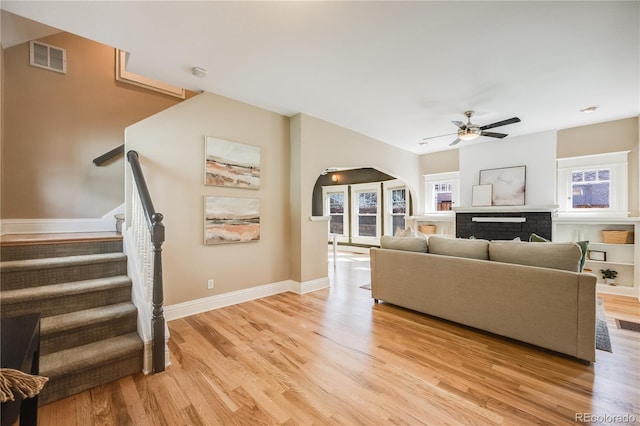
<point>508,184</point>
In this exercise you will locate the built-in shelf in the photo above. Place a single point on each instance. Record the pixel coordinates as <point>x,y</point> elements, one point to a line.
<point>620,257</point>
<point>606,262</point>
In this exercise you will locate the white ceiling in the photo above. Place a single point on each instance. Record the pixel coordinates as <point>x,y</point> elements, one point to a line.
<point>395,71</point>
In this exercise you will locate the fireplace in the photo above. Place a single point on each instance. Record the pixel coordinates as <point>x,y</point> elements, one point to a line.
<point>503,225</point>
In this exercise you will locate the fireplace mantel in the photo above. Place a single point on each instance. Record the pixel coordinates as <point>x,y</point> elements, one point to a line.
<point>507,209</point>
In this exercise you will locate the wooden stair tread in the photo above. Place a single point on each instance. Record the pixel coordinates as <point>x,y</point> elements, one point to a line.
<point>88,356</point>
<point>58,262</point>
<point>87,317</point>
<point>68,288</point>
<point>8,240</point>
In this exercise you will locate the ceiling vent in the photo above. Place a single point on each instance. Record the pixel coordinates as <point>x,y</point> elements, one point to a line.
<point>49,57</point>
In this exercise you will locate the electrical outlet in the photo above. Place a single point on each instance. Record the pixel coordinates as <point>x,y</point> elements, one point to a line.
<point>210,284</point>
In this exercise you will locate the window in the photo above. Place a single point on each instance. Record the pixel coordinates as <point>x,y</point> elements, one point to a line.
<point>441,192</point>
<point>336,205</point>
<point>590,189</point>
<point>365,213</point>
<point>398,208</point>
<point>442,196</point>
<point>593,185</point>
<point>396,205</point>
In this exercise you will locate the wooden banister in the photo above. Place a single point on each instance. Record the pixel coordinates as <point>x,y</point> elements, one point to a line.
<point>99,161</point>
<point>157,231</point>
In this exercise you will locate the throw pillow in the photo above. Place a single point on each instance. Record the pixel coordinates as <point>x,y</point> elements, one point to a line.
<point>535,238</point>
<point>409,232</point>
<point>583,246</point>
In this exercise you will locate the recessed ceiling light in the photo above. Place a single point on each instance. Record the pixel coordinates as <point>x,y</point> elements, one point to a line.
<point>590,109</point>
<point>199,72</point>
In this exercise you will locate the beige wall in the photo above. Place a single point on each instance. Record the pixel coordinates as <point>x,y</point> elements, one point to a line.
<point>611,136</point>
<point>171,148</point>
<point>316,145</point>
<point>440,162</point>
<point>56,124</point>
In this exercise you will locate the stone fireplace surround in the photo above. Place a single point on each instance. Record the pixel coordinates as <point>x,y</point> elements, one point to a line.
<point>504,223</point>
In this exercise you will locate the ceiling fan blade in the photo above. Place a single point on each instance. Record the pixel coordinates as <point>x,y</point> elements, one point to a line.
<point>500,123</point>
<point>455,142</point>
<point>494,135</point>
<point>460,124</point>
<point>433,137</point>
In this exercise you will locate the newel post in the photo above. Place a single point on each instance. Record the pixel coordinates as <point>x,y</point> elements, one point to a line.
<point>157,320</point>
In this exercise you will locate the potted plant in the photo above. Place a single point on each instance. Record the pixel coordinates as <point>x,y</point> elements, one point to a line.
<point>609,276</point>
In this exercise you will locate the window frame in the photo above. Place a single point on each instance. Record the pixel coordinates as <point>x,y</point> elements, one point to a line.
<point>616,162</point>
<point>337,189</point>
<point>388,188</point>
<point>356,189</point>
<point>433,179</point>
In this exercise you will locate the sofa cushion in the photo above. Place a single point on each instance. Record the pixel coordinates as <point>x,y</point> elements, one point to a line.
<point>459,247</point>
<point>417,244</point>
<point>584,245</point>
<point>564,256</point>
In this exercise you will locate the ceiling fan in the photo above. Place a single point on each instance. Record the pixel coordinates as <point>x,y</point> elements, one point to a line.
<point>470,131</point>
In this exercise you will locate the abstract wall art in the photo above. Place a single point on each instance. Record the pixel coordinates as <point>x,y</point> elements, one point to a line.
<point>508,185</point>
<point>231,220</point>
<point>231,164</point>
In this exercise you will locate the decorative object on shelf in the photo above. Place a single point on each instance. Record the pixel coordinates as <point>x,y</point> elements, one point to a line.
<point>617,237</point>
<point>508,185</point>
<point>609,276</point>
<point>231,220</point>
<point>600,256</point>
<point>231,164</point>
<point>427,229</point>
<point>481,195</point>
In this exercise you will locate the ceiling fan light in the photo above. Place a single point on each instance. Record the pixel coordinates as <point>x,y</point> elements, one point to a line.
<point>468,134</point>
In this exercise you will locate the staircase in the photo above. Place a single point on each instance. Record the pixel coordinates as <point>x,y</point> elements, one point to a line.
<point>79,284</point>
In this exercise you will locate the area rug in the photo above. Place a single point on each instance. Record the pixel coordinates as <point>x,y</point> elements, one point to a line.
<point>628,325</point>
<point>366,286</point>
<point>602,332</point>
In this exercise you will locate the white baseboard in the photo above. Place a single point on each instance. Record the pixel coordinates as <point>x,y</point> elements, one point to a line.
<point>618,290</point>
<point>192,307</point>
<point>106,223</point>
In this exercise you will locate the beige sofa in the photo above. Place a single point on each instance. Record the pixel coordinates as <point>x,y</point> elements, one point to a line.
<point>530,292</point>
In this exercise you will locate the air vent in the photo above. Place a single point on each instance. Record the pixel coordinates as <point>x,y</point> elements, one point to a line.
<point>48,57</point>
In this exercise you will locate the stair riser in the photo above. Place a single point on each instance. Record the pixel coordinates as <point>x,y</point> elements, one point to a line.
<point>69,303</point>
<point>41,251</point>
<point>13,280</point>
<point>88,334</point>
<point>64,386</point>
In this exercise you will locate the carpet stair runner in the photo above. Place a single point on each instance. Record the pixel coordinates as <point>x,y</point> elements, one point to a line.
<point>88,330</point>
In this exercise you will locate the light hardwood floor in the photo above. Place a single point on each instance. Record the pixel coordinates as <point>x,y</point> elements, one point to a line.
<point>335,357</point>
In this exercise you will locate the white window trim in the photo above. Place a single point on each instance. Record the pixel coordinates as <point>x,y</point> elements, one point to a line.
<point>387,187</point>
<point>355,189</point>
<point>448,177</point>
<point>618,188</point>
<point>344,189</point>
